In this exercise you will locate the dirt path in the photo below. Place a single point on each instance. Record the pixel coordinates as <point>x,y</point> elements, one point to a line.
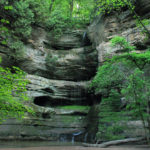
<point>80,148</point>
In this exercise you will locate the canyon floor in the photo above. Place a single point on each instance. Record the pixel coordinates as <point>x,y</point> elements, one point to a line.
<point>124,147</point>
<point>76,148</point>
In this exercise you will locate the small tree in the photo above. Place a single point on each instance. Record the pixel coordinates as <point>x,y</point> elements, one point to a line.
<point>137,86</point>
<point>12,93</point>
<point>137,92</point>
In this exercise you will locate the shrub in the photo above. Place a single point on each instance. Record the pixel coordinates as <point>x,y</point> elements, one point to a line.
<point>12,93</point>
<point>122,42</point>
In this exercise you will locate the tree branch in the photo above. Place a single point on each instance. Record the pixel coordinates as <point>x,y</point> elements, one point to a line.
<point>116,142</point>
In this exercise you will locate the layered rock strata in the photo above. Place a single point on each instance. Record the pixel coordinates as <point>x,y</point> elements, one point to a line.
<point>59,71</point>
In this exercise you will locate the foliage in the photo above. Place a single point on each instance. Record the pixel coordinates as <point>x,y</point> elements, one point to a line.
<point>58,23</point>
<point>40,9</point>
<point>22,14</point>
<point>83,10</point>
<point>3,24</point>
<point>137,92</point>
<point>21,19</point>
<point>60,20</point>
<point>110,126</point>
<point>122,42</point>
<point>139,60</point>
<point>107,6</point>
<point>17,49</point>
<point>69,14</point>
<point>124,76</point>
<point>113,100</point>
<point>108,76</point>
<point>145,22</point>
<point>17,18</point>
<point>78,8</point>
<point>51,60</point>
<point>12,93</point>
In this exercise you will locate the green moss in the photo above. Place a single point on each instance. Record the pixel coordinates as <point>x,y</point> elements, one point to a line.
<point>65,119</point>
<point>74,107</point>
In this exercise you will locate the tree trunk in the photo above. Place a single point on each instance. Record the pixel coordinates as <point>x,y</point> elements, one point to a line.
<point>51,5</point>
<point>71,8</point>
<point>116,142</point>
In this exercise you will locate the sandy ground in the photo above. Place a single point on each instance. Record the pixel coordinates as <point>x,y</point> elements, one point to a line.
<point>80,148</point>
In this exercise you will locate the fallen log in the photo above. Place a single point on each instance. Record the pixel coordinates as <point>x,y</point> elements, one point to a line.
<point>116,142</point>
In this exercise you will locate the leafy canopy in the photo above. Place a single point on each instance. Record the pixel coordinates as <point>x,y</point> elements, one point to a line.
<point>107,6</point>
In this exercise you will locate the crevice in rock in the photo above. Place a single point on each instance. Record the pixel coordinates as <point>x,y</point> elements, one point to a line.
<point>61,48</point>
<point>78,114</point>
<point>48,90</point>
<point>85,40</point>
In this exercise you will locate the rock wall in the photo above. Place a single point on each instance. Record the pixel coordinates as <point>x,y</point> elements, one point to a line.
<point>59,71</point>
<point>104,28</point>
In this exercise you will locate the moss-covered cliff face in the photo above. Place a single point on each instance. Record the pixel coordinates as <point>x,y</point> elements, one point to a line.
<point>58,71</point>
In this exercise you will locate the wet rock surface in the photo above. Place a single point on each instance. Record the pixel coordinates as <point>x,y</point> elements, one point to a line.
<point>58,71</point>
<point>68,40</point>
<point>73,59</point>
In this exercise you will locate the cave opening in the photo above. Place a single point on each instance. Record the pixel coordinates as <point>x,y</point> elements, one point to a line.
<point>47,101</point>
<point>42,101</point>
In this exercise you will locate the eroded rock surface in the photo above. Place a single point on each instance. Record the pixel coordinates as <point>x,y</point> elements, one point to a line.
<point>57,92</point>
<point>68,40</point>
<point>103,29</point>
<point>70,61</point>
<point>58,73</point>
<point>123,24</point>
<point>76,64</point>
